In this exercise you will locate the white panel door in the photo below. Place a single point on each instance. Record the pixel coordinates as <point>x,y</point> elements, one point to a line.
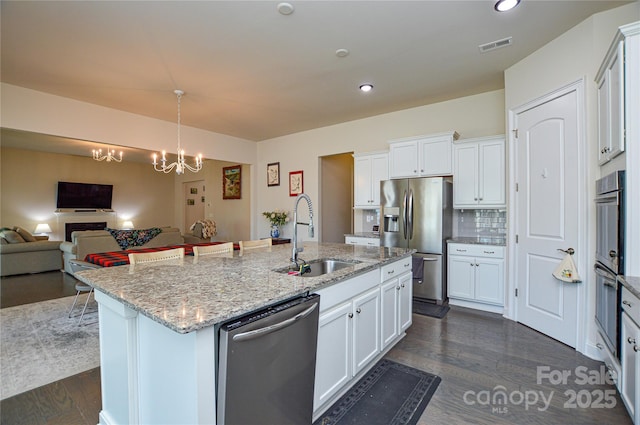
<point>547,214</point>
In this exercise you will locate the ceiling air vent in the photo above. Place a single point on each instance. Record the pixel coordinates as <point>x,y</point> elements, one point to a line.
<point>487,47</point>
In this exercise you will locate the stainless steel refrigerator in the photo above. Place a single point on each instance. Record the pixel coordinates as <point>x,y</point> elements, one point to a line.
<point>418,213</point>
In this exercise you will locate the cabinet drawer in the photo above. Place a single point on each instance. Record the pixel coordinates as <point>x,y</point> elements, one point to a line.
<point>631,305</point>
<point>395,269</point>
<point>341,292</point>
<point>354,240</point>
<point>611,363</point>
<point>489,251</point>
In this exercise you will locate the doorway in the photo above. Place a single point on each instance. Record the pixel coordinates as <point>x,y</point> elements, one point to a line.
<point>336,197</point>
<point>548,157</point>
<point>194,202</point>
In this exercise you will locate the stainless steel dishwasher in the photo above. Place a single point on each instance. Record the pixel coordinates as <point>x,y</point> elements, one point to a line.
<point>267,363</point>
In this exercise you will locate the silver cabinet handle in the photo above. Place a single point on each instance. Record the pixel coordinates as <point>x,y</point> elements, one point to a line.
<point>636,348</point>
<point>631,340</point>
<point>627,303</point>
<point>599,346</point>
<point>429,259</point>
<point>358,310</point>
<point>350,315</point>
<point>398,288</point>
<point>402,285</point>
<point>477,265</point>
<point>471,264</point>
<point>489,252</point>
<point>461,250</point>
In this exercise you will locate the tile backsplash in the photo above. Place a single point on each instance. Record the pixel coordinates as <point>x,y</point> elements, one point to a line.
<point>487,223</point>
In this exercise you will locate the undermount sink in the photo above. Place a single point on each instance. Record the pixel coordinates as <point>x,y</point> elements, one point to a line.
<point>323,266</point>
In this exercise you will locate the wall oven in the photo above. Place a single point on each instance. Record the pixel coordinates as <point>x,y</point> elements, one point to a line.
<point>609,256</point>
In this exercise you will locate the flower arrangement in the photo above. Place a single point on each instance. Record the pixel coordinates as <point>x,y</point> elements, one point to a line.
<point>277,217</point>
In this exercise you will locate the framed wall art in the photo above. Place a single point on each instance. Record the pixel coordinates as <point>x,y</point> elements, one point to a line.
<point>231,182</point>
<point>273,174</point>
<point>296,184</point>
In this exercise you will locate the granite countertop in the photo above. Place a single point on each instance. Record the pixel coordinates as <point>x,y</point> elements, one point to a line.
<point>480,240</point>
<point>632,283</point>
<point>372,235</point>
<point>195,293</point>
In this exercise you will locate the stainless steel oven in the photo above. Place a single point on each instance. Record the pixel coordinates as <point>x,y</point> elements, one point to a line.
<point>610,221</point>
<point>609,256</point>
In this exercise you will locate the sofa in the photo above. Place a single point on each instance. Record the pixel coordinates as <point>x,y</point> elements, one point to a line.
<point>95,241</point>
<point>22,253</point>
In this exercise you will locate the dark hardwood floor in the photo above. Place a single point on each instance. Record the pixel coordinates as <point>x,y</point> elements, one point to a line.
<point>479,356</point>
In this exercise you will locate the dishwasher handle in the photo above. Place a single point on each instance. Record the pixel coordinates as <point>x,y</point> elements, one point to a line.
<point>245,336</point>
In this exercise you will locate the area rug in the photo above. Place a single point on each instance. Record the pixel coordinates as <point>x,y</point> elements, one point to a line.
<point>426,308</point>
<point>39,344</point>
<point>390,394</point>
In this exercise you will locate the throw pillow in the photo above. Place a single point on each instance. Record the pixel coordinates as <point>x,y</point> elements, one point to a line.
<point>12,236</point>
<point>28,237</point>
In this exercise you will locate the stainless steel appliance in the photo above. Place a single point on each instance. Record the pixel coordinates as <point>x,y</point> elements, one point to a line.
<point>609,256</point>
<point>267,364</point>
<point>418,213</point>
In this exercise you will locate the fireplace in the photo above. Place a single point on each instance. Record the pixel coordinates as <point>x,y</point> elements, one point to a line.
<point>72,227</point>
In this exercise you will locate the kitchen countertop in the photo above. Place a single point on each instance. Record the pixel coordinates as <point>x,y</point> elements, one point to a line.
<point>371,235</point>
<point>480,240</point>
<point>632,283</point>
<point>194,293</point>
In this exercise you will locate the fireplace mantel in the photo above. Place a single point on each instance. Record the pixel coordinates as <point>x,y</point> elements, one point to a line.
<point>65,216</point>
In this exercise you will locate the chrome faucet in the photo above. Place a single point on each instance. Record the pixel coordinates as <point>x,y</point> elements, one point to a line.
<point>295,250</point>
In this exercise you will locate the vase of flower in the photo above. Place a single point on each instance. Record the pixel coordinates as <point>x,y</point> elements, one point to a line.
<point>275,231</point>
<point>277,219</point>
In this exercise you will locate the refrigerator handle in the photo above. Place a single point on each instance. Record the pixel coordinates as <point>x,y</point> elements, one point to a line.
<point>410,214</point>
<point>405,216</point>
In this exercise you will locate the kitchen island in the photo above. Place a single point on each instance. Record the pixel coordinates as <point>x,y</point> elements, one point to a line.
<point>159,323</point>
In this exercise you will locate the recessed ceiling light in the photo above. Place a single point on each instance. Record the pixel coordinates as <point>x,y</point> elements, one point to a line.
<point>504,5</point>
<point>366,87</point>
<point>285,8</point>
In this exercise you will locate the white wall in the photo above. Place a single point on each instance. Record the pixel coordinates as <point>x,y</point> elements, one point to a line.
<point>472,116</point>
<point>574,55</point>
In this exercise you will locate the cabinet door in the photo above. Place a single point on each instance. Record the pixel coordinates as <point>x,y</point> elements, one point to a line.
<point>366,329</point>
<point>379,172</point>
<point>461,277</point>
<point>628,359</point>
<point>491,181</point>
<point>489,280</point>
<point>405,301</point>
<point>465,188</point>
<point>603,120</point>
<point>389,311</point>
<point>435,157</point>
<point>403,159</point>
<point>333,361</point>
<point>362,182</point>
<point>616,103</point>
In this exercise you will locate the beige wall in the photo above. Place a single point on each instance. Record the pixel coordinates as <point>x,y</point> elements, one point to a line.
<point>472,116</point>
<point>29,184</point>
<point>232,216</point>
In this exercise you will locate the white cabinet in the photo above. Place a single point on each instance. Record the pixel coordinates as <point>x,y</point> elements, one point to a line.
<point>369,170</point>
<point>476,276</point>
<point>396,295</point>
<point>421,156</point>
<point>362,241</point>
<point>610,81</point>
<point>479,173</point>
<point>348,334</point>
<point>630,354</point>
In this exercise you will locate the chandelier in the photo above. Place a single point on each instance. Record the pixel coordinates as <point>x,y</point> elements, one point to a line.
<point>110,156</point>
<point>180,165</point>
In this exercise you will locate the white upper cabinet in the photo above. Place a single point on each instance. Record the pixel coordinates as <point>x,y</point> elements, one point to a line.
<point>617,98</point>
<point>479,173</point>
<point>369,170</point>
<point>422,156</point>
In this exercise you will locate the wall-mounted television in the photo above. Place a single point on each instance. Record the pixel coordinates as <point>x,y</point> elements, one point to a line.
<point>84,195</point>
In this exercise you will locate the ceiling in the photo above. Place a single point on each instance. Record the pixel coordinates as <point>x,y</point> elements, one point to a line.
<point>249,71</point>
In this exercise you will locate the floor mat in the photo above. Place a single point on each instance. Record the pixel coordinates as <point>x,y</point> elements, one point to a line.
<point>390,394</point>
<point>426,308</point>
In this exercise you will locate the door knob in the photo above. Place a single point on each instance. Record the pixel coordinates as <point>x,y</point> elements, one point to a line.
<point>569,251</point>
